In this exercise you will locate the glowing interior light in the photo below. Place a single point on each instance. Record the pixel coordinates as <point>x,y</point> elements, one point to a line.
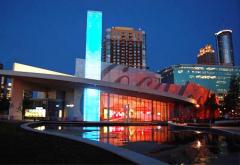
<point>60,113</point>
<point>198,132</point>
<point>91,107</point>
<point>148,113</point>
<point>199,144</point>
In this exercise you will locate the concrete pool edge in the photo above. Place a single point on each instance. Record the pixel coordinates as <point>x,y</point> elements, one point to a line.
<point>124,153</point>
<point>212,129</point>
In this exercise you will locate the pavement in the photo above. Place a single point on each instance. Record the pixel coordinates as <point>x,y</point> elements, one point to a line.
<point>235,130</point>
<point>232,130</point>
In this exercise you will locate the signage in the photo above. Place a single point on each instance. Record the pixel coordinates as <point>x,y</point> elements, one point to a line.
<point>37,112</point>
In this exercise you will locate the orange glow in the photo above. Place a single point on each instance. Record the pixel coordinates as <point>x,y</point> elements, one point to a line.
<point>127,108</point>
<point>134,134</point>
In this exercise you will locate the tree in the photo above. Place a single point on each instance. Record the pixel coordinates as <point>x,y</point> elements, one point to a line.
<point>211,105</point>
<point>4,105</point>
<point>232,99</point>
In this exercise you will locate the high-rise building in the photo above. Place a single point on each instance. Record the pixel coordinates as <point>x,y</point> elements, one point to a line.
<point>3,84</point>
<point>225,47</point>
<point>206,55</point>
<point>126,46</point>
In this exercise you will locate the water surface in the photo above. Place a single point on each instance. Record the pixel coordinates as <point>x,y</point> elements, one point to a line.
<point>163,142</point>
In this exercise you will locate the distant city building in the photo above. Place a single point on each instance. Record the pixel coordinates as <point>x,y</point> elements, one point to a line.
<point>225,47</point>
<point>3,83</point>
<point>126,46</point>
<point>214,77</point>
<point>206,55</point>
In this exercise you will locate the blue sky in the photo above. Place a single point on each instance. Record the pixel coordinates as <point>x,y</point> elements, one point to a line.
<point>51,33</point>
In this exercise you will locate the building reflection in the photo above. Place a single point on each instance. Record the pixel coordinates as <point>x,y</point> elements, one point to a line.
<point>120,135</point>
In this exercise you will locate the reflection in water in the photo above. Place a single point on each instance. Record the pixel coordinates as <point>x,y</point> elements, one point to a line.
<point>120,135</point>
<point>160,142</point>
<point>40,128</point>
<point>91,133</point>
<point>197,145</point>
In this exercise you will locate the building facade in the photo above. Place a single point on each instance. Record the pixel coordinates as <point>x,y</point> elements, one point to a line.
<point>125,95</point>
<point>115,106</point>
<point>126,46</point>
<point>206,55</point>
<point>214,77</point>
<point>102,91</point>
<point>225,47</point>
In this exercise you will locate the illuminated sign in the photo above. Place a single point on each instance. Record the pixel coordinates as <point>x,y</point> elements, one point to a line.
<point>91,103</point>
<point>37,112</point>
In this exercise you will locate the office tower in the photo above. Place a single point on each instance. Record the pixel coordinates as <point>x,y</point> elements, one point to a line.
<point>3,83</point>
<point>225,47</point>
<point>126,46</point>
<point>206,55</point>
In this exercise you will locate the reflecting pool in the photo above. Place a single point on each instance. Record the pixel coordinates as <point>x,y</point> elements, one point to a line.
<point>162,142</point>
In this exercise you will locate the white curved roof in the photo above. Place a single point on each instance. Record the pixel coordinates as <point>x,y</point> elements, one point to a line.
<point>222,31</point>
<point>53,81</point>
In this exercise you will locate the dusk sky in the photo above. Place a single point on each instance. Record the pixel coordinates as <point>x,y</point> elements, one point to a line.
<point>51,33</point>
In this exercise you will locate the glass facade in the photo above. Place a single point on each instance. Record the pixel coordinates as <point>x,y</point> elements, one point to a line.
<point>225,47</point>
<point>117,110</point>
<point>123,108</point>
<point>216,78</point>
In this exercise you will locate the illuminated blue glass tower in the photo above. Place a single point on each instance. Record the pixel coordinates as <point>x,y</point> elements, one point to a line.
<point>91,103</point>
<point>225,47</point>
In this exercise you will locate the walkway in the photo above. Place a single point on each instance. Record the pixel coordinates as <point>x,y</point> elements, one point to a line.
<point>232,130</point>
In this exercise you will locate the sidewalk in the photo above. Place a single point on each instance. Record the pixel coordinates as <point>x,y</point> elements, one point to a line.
<point>232,130</point>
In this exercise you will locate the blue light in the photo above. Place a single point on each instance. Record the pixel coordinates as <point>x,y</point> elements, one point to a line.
<point>92,133</point>
<point>91,108</point>
<point>93,45</point>
<point>91,103</point>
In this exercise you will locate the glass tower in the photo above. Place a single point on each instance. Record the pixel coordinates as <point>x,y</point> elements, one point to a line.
<point>225,47</point>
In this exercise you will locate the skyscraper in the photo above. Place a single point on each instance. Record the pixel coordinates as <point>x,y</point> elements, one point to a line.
<point>126,46</point>
<point>206,55</point>
<point>3,85</point>
<point>225,47</point>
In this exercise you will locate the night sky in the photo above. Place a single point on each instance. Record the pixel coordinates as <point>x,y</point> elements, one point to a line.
<point>51,33</point>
